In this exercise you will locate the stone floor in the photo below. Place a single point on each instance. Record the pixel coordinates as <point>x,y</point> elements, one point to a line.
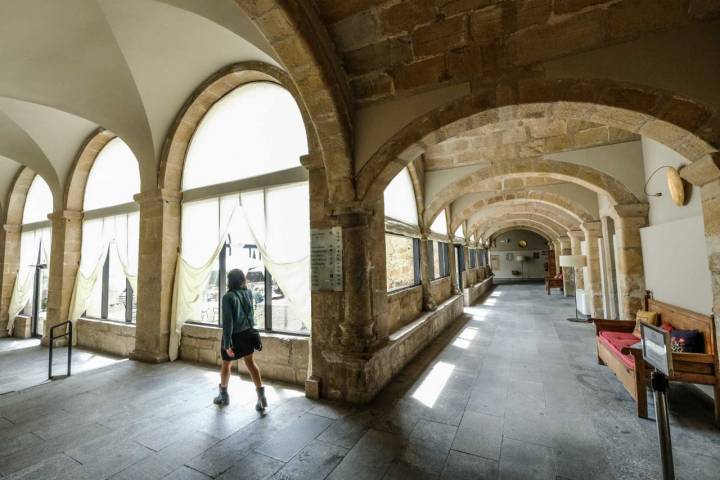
<point>510,391</point>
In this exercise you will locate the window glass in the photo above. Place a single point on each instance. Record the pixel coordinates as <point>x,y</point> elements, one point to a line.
<point>255,129</point>
<point>437,273</point>
<point>440,224</point>
<point>117,291</point>
<point>39,202</point>
<point>114,178</point>
<point>460,232</point>
<point>400,199</point>
<point>400,263</point>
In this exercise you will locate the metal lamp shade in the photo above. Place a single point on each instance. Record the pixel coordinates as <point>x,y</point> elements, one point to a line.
<point>576,261</point>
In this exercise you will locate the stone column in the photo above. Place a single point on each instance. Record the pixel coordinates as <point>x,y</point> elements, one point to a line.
<point>158,252</point>
<point>65,252</point>
<point>10,260</point>
<point>593,231</point>
<point>429,304</point>
<point>348,326</point>
<point>631,273</point>
<point>576,236</point>
<point>453,268</point>
<point>608,266</point>
<point>568,283</point>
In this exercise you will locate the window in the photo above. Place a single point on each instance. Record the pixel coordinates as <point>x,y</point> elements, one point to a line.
<point>402,257</point>
<point>473,258</point>
<point>257,224</point>
<point>254,130</point>
<point>107,278</point>
<point>440,263</point>
<point>460,232</point>
<point>439,225</point>
<point>273,220</point>
<point>399,198</point>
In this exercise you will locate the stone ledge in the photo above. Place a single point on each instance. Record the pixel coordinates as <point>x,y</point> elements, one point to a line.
<point>106,336</point>
<point>471,294</point>
<point>283,357</point>
<point>403,306</point>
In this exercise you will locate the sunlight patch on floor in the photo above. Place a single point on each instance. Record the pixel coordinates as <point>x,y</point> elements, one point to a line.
<point>430,389</point>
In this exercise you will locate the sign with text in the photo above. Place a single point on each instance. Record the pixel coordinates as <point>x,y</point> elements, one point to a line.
<point>326,253</point>
<point>656,347</point>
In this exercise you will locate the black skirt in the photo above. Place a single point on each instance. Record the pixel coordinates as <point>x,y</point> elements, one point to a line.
<point>244,343</point>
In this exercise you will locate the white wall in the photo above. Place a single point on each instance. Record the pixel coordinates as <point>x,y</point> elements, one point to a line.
<point>674,255</point>
<point>507,244</point>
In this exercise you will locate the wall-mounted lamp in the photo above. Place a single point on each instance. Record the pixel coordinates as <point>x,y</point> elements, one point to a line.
<point>675,184</point>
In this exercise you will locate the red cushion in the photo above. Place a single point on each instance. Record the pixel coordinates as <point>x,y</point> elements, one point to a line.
<point>616,341</point>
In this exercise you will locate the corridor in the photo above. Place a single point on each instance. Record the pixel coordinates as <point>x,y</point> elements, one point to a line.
<point>511,390</point>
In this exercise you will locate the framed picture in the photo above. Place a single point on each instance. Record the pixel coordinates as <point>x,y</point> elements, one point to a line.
<point>509,257</point>
<point>536,255</point>
<point>495,262</point>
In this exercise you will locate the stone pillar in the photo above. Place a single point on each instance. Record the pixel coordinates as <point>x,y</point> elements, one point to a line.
<point>568,282</point>
<point>10,260</point>
<point>576,236</point>
<point>158,252</point>
<point>608,266</point>
<point>348,325</point>
<point>631,272</point>
<point>453,268</point>
<point>593,231</point>
<point>429,304</point>
<point>65,252</point>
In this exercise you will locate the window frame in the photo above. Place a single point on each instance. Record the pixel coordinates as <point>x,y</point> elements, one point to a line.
<point>417,270</point>
<point>105,297</point>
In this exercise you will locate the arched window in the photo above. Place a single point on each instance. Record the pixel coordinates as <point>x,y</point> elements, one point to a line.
<point>439,251</point>
<point>460,232</point>
<point>439,225</point>
<point>399,197</point>
<point>246,205</point>
<point>254,130</point>
<point>30,292</point>
<point>107,278</point>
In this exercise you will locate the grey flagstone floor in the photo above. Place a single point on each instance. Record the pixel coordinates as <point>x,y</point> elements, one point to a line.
<point>511,390</point>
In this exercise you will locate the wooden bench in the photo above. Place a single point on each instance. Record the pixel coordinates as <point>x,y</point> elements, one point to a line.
<point>632,371</point>
<point>551,282</point>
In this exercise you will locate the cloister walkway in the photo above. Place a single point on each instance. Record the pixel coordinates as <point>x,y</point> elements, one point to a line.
<point>511,390</point>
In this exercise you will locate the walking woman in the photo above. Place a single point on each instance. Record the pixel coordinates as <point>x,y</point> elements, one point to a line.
<point>240,338</point>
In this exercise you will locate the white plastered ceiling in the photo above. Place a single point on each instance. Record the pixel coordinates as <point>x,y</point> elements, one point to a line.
<point>72,66</point>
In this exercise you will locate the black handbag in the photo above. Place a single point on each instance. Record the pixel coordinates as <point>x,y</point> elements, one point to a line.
<point>254,333</point>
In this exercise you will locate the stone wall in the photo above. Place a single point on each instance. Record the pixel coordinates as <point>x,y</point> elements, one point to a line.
<point>283,357</point>
<point>473,293</point>
<point>441,289</point>
<point>403,307</point>
<point>407,342</point>
<point>399,262</point>
<point>111,337</point>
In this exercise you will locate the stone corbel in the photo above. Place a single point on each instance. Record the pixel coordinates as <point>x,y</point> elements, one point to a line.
<point>67,215</point>
<point>312,161</point>
<point>12,228</point>
<point>158,195</point>
<point>703,171</point>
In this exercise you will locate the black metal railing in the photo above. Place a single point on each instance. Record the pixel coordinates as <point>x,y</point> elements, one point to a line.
<point>53,337</point>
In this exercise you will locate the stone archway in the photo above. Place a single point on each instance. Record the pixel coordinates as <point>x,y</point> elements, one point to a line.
<point>489,178</point>
<point>548,198</point>
<point>682,124</point>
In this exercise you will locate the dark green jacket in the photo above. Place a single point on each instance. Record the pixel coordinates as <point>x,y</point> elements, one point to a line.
<point>237,314</point>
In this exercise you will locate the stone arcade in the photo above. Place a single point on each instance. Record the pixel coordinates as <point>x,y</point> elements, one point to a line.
<point>460,147</point>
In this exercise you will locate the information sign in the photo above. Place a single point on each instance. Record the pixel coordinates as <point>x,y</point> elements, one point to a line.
<point>326,259</point>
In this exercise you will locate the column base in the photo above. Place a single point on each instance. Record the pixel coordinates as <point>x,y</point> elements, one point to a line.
<point>149,357</point>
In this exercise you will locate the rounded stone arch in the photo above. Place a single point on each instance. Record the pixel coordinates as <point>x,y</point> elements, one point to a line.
<point>74,194</point>
<point>549,217</point>
<point>685,125</point>
<point>15,204</point>
<point>551,209</point>
<point>297,35</point>
<point>495,177</point>
<point>510,226</point>
<point>550,225</point>
<point>550,198</point>
<point>221,83</point>
<point>419,197</point>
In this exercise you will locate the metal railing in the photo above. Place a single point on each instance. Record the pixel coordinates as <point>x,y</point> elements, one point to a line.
<point>68,334</point>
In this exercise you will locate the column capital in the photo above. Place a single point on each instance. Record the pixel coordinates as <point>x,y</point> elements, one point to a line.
<point>593,229</point>
<point>12,228</point>
<point>66,215</point>
<point>703,171</point>
<point>158,195</point>
<point>576,234</point>
<point>631,210</point>
<point>312,161</point>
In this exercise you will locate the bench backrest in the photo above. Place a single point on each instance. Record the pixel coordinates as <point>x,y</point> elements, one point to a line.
<point>683,319</point>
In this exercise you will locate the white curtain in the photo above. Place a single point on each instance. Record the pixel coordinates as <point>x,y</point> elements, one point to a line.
<point>275,221</point>
<point>202,242</point>
<point>279,221</point>
<point>30,244</point>
<point>117,235</point>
